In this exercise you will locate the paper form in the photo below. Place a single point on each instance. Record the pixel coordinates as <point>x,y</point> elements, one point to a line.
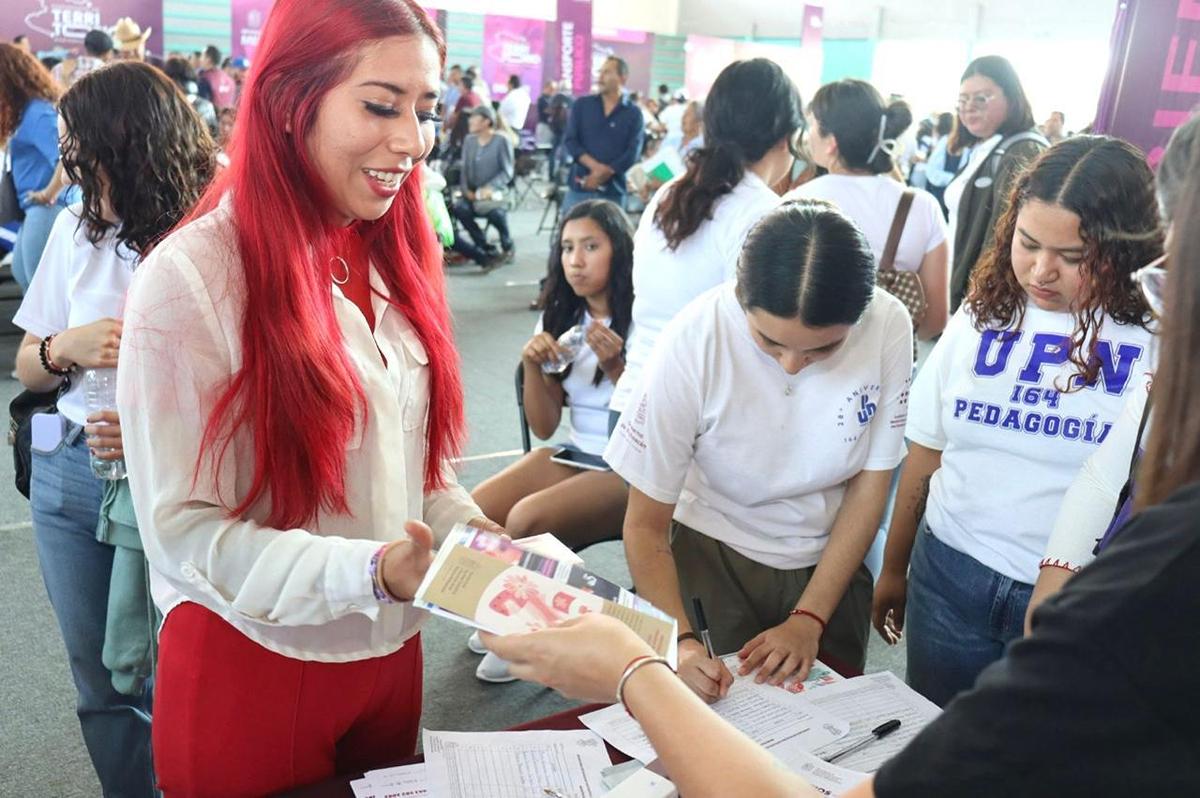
<point>514,764</point>
<point>825,778</point>
<point>766,714</point>
<point>865,702</point>
<point>406,781</point>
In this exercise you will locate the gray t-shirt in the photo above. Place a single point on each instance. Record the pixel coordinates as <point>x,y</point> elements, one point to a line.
<point>490,164</point>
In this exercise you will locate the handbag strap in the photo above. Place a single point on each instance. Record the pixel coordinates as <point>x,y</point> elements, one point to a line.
<point>888,262</point>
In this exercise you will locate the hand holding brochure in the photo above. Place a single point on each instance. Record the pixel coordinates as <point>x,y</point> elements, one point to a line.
<point>491,583</point>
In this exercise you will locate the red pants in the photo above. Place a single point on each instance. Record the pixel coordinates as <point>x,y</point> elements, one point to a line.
<point>234,719</point>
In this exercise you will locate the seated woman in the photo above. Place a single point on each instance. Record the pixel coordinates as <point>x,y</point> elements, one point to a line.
<point>1024,385</point>
<point>759,448</point>
<point>589,286</point>
<point>487,169</point>
<point>1105,682</point>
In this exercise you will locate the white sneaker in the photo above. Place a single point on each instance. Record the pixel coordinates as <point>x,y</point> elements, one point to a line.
<point>475,644</point>
<point>493,669</point>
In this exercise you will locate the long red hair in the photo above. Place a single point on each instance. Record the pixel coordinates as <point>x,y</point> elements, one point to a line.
<point>296,391</point>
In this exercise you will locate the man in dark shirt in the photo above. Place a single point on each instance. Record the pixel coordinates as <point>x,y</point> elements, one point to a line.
<point>1101,699</point>
<point>604,136</point>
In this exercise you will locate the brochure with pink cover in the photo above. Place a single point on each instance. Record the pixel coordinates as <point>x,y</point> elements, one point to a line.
<point>492,583</point>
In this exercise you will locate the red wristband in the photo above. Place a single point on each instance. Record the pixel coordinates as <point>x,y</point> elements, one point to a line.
<point>812,615</point>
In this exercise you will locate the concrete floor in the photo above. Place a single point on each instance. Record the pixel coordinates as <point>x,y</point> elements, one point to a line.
<point>41,752</point>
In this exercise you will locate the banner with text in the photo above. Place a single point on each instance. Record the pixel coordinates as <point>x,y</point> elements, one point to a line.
<point>569,46</point>
<point>512,46</point>
<point>1153,79</point>
<point>248,18</point>
<point>635,46</point>
<point>62,24</point>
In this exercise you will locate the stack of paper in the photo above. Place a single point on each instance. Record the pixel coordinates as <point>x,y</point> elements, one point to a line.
<point>407,781</point>
<point>768,715</point>
<point>515,764</point>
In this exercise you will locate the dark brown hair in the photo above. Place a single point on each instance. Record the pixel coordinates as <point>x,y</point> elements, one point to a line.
<point>1173,453</point>
<point>22,79</point>
<point>1108,185</point>
<point>130,127</point>
<point>1020,114</point>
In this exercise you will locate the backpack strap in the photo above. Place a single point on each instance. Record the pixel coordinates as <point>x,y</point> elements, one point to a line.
<point>888,261</point>
<point>997,155</point>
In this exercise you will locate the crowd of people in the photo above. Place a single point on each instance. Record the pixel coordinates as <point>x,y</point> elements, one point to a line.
<point>743,381</point>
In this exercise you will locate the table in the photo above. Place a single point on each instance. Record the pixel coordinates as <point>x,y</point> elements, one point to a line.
<point>339,786</point>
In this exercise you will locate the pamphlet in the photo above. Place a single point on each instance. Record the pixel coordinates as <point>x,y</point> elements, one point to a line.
<point>492,583</point>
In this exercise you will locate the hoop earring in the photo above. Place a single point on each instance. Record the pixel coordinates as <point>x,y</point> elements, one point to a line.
<point>345,266</point>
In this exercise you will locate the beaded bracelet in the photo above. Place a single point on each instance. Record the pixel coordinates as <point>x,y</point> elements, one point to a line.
<point>630,669</point>
<point>48,364</point>
<point>812,615</point>
<point>381,592</point>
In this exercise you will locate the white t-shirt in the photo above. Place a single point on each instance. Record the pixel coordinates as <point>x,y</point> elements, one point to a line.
<point>671,117</point>
<point>1011,441</point>
<point>515,107</point>
<point>871,202</point>
<point>664,281</point>
<point>713,430</point>
<point>588,403</point>
<point>954,191</point>
<point>76,283</point>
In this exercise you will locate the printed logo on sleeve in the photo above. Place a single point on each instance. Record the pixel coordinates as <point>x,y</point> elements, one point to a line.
<point>856,411</point>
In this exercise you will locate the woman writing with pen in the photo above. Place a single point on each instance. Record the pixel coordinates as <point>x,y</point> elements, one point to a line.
<point>802,369</point>
<point>1098,700</point>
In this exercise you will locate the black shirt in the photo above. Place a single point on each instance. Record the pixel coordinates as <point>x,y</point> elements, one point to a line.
<point>1103,699</point>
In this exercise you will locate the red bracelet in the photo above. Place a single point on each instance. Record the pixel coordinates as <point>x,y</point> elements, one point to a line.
<point>812,615</point>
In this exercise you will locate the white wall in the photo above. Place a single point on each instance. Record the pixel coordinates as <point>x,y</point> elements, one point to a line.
<point>656,16</point>
<point>530,9</point>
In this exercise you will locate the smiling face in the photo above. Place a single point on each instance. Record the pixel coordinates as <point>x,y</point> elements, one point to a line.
<point>373,128</point>
<point>794,345</point>
<point>982,106</point>
<point>1047,255</point>
<point>586,257</point>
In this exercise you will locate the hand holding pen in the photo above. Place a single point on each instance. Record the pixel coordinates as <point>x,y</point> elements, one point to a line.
<point>699,666</point>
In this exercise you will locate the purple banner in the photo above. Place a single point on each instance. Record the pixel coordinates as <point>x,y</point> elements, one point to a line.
<point>62,24</point>
<point>512,46</point>
<point>636,47</point>
<point>1153,78</point>
<point>248,18</point>
<point>569,46</point>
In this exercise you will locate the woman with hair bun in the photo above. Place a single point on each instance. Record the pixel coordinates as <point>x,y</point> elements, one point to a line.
<point>291,398</point>
<point>853,135</point>
<point>690,234</point>
<point>759,447</point>
<point>1023,386</point>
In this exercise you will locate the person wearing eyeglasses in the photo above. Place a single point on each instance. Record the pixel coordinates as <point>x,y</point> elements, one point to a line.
<point>1024,385</point>
<point>692,230</point>
<point>995,120</point>
<point>1098,504</point>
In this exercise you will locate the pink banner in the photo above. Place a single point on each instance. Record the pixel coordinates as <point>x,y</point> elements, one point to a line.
<point>62,24</point>
<point>636,47</point>
<point>512,46</point>
<point>814,25</point>
<point>569,46</point>
<point>248,18</point>
<point>708,55</point>
<point>1153,80</point>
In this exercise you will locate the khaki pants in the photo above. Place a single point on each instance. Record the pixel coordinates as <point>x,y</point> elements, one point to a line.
<point>742,597</point>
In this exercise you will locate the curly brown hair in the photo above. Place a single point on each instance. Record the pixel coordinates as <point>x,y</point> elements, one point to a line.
<point>22,78</point>
<point>132,133</point>
<point>1107,183</point>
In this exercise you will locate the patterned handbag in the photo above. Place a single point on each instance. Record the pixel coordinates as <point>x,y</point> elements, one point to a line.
<point>904,285</point>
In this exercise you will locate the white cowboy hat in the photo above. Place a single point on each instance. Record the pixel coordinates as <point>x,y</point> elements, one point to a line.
<point>129,35</point>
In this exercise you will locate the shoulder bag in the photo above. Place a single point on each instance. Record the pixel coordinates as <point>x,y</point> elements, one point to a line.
<point>10,203</point>
<point>21,411</point>
<point>904,285</point>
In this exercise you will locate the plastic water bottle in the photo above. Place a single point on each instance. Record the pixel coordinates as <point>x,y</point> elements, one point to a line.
<point>100,386</point>
<point>572,343</point>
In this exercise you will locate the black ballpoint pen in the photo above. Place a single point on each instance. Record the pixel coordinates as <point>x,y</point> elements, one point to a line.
<point>878,733</point>
<point>705,637</point>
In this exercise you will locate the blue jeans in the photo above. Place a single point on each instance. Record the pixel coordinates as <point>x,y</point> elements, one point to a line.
<point>574,196</point>
<point>960,616</point>
<point>76,568</point>
<point>31,240</point>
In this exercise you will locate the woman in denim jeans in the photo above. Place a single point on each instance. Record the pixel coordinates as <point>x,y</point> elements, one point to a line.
<point>133,192</point>
<point>28,125</point>
<point>1024,385</point>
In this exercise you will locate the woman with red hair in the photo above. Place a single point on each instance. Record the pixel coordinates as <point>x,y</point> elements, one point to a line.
<point>290,397</point>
